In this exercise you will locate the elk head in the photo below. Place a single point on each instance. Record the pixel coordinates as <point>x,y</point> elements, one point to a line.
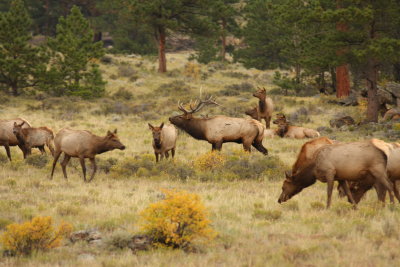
<point>17,128</point>
<point>157,137</point>
<point>289,188</point>
<point>260,93</point>
<point>180,120</point>
<point>280,118</point>
<point>112,141</point>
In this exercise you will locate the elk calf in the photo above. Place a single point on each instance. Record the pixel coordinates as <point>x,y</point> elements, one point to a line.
<point>164,140</point>
<point>265,107</point>
<point>34,137</point>
<point>82,144</point>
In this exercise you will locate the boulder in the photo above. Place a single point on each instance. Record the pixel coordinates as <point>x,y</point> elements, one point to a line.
<point>140,242</point>
<point>89,236</point>
<point>342,121</point>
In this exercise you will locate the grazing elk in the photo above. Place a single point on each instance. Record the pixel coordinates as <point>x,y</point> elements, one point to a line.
<point>82,144</point>
<point>359,188</point>
<point>7,137</point>
<point>264,109</point>
<point>164,140</point>
<point>220,129</point>
<point>342,162</point>
<point>290,131</point>
<point>33,137</point>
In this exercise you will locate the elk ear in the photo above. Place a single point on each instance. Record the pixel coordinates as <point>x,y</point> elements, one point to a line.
<point>15,124</point>
<point>162,125</point>
<point>115,131</point>
<point>288,175</point>
<point>109,133</point>
<point>151,127</point>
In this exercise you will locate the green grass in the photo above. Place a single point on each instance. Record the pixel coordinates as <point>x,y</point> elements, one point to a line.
<point>254,230</point>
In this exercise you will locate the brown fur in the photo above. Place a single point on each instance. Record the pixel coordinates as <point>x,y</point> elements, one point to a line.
<point>392,114</point>
<point>359,188</point>
<point>164,140</point>
<point>7,137</point>
<point>34,137</point>
<point>336,162</point>
<point>289,131</point>
<point>83,144</point>
<point>268,133</point>
<point>221,129</point>
<point>265,107</point>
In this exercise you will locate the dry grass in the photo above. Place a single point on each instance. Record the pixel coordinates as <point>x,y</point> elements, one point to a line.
<point>254,230</point>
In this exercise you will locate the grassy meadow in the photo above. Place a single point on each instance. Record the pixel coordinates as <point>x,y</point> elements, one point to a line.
<point>253,229</point>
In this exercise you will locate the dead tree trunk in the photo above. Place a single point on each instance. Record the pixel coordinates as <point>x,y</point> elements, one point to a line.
<point>162,60</point>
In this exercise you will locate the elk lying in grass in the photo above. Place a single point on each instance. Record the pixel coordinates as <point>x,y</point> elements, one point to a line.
<point>220,129</point>
<point>82,144</point>
<point>7,137</point>
<point>359,188</point>
<point>33,137</point>
<point>164,140</point>
<point>264,109</point>
<point>342,162</point>
<point>290,131</point>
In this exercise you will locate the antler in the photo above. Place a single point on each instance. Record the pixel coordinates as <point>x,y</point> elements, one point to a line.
<point>197,105</point>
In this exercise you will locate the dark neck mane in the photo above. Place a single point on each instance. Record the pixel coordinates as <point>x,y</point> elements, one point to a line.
<point>305,176</point>
<point>262,105</point>
<point>195,127</point>
<point>100,144</point>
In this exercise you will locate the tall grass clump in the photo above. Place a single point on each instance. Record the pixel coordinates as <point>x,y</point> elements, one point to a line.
<point>32,236</point>
<point>177,220</point>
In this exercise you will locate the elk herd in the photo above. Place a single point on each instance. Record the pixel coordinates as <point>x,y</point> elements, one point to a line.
<point>356,166</point>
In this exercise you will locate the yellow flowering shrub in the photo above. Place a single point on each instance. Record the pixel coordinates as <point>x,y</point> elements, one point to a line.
<point>176,220</point>
<point>34,235</point>
<point>210,161</point>
<point>192,70</point>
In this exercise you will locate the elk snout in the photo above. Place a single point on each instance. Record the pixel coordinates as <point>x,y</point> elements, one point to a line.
<point>123,147</point>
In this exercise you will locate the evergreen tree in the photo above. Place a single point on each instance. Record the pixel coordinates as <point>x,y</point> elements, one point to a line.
<point>19,61</point>
<point>73,70</point>
<point>164,16</point>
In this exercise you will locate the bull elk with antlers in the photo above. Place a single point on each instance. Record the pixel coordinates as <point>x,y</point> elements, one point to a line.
<point>220,129</point>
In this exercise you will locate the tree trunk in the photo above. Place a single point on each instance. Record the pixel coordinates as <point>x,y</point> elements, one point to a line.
<point>372,79</point>
<point>98,36</point>
<point>223,40</point>
<point>396,72</point>
<point>342,81</point>
<point>297,70</point>
<point>162,60</point>
<point>342,72</point>
<point>14,89</point>
<point>333,77</point>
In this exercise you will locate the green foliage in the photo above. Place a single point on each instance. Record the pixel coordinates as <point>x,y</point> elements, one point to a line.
<point>20,63</point>
<point>73,70</point>
<point>38,161</point>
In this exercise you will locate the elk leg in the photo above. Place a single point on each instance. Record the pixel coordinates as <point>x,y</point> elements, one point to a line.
<point>166,154</point>
<point>173,152</point>
<point>56,156</point>
<point>218,145</point>
<point>161,156</point>
<point>93,162</point>
<point>396,191</point>
<point>346,189</point>
<point>51,148</point>
<point>260,147</point>
<point>247,146</point>
<point>268,122</point>
<point>82,161</point>
<point>330,179</point>
<point>381,177</point>
<point>41,148</point>
<point>23,149</point>
<point>64,164</point>
<point>7,147</point>
<point>156,156</point>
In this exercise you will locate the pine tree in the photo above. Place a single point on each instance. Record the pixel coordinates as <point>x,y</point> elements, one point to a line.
<point>164,17</point>
<point>73,70</point>
<point>19,61</point>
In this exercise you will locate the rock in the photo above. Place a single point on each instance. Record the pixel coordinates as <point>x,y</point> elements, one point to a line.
<point>85,235</point>
<point>116,118</point>
<point>393,88</point>
<point>342,121</point>
<point>351,100</point>
<point>140,242</point>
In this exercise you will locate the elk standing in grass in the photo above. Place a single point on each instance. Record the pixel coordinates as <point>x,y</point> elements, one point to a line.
<point>7,137</point>
<point>82,144</point>
<point>164,140</point>
<point>265,107</point>
<point>220,129</point>
<point>343,162</point>
<point>34,137</point>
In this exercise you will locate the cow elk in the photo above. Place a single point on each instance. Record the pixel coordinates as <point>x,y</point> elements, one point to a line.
<point>7,137</point>
<point>265,107</point>
<point>164,140</point>
<point>290,131</point>
<point>83,144</point>
<point>34,137</point>
<point>220,129</point>
<point>343,162</point>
